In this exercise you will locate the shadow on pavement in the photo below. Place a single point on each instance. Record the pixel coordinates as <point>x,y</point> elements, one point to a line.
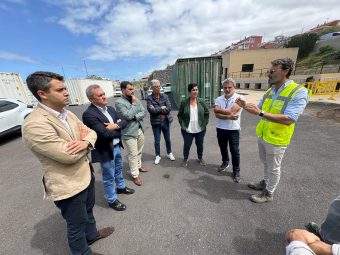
<point>215,190</point>
<point>50,235</point>
<point>264,243</point>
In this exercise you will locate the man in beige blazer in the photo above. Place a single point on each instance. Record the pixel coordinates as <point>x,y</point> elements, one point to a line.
<point>61,142</point>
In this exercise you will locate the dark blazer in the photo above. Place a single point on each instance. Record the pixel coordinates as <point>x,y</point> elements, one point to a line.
<point>95,119</point>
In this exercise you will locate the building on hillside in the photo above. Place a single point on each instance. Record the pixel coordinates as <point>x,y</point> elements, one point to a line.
<point>164,76</point>
<point>278,42</point>
<point>249,67</point>
<point>248,43</point>
<point>333,23</point>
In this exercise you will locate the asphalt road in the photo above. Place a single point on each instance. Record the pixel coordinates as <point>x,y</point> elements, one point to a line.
<point>192,210</point>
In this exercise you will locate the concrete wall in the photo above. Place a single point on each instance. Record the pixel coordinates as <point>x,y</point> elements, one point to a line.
<point>334,42</point>
<point>261,58</point>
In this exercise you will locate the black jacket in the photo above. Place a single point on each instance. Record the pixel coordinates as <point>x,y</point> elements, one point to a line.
<point>95,119</point>
<point>154,108</point>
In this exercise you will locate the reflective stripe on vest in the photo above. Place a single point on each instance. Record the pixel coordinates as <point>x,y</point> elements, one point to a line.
<point>276,133</point>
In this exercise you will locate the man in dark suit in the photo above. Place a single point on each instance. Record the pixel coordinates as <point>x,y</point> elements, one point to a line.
<point>108,124</point>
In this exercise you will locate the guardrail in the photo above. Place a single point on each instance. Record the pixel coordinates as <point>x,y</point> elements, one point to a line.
<point>324,88</point>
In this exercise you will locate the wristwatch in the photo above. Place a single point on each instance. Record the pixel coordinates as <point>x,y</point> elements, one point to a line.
<point>261,113</point>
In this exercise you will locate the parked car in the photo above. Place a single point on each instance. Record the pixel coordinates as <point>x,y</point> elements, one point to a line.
<point>117,92</point>
<point>12,115</point>
<point>167,87</point>
<point>150,90</point>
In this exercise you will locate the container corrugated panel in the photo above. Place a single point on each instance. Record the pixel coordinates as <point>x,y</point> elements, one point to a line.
<point>11,86</point>
<point>77,89</point>
<point>205,71</point>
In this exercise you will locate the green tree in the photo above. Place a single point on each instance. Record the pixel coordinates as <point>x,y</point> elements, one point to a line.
<point>305,42</point>
<point>94,77</point>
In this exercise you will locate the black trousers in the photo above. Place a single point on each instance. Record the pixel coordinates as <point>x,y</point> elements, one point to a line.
<point>188,138</point>
<point>231,137</point>
<point>78,214</point>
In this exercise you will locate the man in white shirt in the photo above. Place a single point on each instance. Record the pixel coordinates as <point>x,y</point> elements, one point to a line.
<point>228,126</point>
<point>302,242</point>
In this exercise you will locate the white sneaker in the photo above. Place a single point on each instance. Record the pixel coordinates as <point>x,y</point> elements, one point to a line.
<point>157,159</point>
<point>171,156</point>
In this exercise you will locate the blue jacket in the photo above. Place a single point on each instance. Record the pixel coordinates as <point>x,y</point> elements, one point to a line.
<point>154,108</point>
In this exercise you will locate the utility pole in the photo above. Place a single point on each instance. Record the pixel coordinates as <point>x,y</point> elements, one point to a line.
<point>87,74</point>
<point>62,68</point>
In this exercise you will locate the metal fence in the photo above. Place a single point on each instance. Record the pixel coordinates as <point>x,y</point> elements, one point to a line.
<point>258,73</point>
<point>324,87</point>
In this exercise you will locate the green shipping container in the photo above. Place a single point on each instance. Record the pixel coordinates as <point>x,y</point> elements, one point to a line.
<point>205,71</point>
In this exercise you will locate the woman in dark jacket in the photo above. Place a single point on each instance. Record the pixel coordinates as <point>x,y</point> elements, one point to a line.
<point>193,116</point>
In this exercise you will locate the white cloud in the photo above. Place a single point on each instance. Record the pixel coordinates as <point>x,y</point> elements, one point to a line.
<point>16,57</point>
<point>185,28</point>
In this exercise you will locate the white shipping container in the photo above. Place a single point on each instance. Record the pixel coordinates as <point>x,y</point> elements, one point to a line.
<point>11,86</point>
<point>77,89</point>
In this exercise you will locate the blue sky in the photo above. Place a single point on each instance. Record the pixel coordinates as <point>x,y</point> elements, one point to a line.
<point>126,40</point>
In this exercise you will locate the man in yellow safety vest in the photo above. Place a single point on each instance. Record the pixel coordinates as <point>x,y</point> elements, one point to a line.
<point>279,110</point>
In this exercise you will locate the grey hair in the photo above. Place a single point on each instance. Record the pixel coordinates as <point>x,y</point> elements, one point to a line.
<point>229,80</point>
<point>285,63</point>
<point>89,89</point>
<point>154,82</point>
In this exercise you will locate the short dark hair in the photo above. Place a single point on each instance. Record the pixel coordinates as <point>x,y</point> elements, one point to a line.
<point>191,86</point>
<point>285,63</point>
<point>41,81</point>
<point>124,84</point>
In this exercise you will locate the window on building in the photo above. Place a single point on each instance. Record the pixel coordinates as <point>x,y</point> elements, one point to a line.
<point>247,67</point>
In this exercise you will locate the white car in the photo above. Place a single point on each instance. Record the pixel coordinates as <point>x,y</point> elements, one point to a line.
<point>117,92</point>
<point>167,87</point>
<point>150,90</point>
<point>12,115</point>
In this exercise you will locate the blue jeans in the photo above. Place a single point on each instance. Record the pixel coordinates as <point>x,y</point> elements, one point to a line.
<point>81,224</point>
<point>199,139</point>
<point>233,138</point>
<point>157,129</point>
<point>113,175</point>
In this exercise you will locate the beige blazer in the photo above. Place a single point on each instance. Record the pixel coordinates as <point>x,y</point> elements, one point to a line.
<point>64,175</point>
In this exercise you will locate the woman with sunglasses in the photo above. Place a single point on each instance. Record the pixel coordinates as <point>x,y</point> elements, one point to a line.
<point>193,116</point>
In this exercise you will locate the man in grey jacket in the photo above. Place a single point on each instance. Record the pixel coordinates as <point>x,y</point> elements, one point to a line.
<point>132,110</point>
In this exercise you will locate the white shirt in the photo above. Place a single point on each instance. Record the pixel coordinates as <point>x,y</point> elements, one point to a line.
<point>227,104</point>
<point>193,126</point>
<point>108,116</point>
<point>62,116</point>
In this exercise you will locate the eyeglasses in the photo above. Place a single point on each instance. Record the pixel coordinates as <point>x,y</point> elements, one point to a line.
<point>273,71</point>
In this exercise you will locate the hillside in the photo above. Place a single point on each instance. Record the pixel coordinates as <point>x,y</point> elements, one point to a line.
<point>320,53</point>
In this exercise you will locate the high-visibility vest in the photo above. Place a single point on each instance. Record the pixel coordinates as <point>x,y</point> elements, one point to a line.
<point>276,133</point>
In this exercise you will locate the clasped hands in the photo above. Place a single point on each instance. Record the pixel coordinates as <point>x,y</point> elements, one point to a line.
<point>76,146</point>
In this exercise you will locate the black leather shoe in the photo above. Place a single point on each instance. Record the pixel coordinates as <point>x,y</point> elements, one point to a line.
<point>126,190</point>
<point>313,228</point>
<point>236,177</point>
<point>117,205</point>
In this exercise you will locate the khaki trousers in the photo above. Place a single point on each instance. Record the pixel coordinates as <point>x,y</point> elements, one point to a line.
<point>271,157</point>
<point>134,147</point>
